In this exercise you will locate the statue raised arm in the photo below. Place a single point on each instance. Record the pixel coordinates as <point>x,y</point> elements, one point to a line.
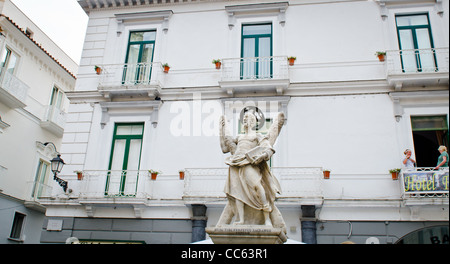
<point>275,128</point>
<point>227,143</point>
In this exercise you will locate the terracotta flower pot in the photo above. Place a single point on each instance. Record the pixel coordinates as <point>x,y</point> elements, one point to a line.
<point>79,176</point>
<point>98,70</point>
<point>218,64</point>
<point>181,175</point>
<point>382,57</point>
<point>291,62</point>
<point>394,175</point>
<point>326,175</point>
<point>154,175</point>
<point>166,69</point>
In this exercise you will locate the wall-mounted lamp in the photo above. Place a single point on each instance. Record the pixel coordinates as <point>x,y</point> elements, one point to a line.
<point>57,164</point>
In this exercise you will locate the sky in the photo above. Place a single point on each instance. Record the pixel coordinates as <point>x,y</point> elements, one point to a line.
<point>64,21</point>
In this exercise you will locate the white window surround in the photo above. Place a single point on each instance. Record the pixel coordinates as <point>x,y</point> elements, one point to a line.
<point>251,10</point>
<point>158,17</point>
<point>270,105</point>
<point>150,108</point>
<point>386,4</point>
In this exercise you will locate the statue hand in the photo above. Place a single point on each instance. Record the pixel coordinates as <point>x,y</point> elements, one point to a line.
<point>260,159</point>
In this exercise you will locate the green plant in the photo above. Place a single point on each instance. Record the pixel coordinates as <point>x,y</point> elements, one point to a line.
<point>216,61</point>
<point>396,170</point>
<point>154,172</point>
<point>378,53</point>
<point>165,65</point>
<point>292,58</point>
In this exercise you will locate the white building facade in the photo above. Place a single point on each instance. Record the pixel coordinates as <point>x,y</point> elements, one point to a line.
<point>346,111</point>
<point>34,76</point>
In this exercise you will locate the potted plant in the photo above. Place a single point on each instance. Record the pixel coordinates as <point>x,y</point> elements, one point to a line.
<point>98,69</point>
<point>394,173</point>
<point>166,67</point>
<point>381,55</point>
<point>291,60</point>
<point>218,63</point>
<point>154,174</point>
<point>181,172</point>
<point>326,174</point>
<point>79,175</point>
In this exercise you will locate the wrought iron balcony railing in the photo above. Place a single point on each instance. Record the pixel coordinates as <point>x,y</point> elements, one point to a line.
<point>131,75</point>
<point>416,61</point>
<point>257,68</point>
<point>424,182</point>
<point>13,91</point>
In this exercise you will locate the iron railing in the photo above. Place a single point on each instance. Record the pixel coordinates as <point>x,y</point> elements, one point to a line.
<point>417,61</point>
<point>235,69</point>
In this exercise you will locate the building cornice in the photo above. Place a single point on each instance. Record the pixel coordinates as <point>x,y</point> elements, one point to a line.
<point>3,17</point>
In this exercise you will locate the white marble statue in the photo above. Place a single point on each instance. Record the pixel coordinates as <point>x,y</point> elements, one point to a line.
<point>250,186</point>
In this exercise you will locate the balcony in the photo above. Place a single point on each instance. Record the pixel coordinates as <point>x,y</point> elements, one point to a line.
<point>54,120</point>
<point>417,67</point>
<point>142,79</point>
<point>13,92</point>
<point>424,186</point>
<point>37,191</point>
<point>259,74</point>
<point>298,185</point>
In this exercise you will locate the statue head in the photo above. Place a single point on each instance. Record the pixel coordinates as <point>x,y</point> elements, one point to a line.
<point>249,120</point>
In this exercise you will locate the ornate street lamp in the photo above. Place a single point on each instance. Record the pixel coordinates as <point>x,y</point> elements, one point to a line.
<point>57,165</point>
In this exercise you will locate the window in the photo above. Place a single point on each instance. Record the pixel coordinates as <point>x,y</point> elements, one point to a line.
<point>17,227</point>
<point>138,62</point>
<point>256,62</point>
<point>40,179</point>
<point>416,43</point>
<point>57,98</point>
<point>9,61</point>
<point>429,132</point>
<point>125,160</point>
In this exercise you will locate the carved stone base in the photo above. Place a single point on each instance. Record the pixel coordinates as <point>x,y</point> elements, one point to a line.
<point>246,234</point>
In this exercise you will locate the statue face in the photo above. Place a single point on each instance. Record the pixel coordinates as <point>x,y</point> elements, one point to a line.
<point>249,120</point>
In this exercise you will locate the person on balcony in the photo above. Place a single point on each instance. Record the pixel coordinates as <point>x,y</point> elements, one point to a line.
<point>443,158</point>
<point>408,162</point>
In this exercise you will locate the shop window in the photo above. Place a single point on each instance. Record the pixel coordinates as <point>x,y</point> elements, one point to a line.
<point>428,235</point>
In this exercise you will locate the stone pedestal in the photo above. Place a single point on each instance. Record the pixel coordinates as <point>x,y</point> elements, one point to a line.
<point>246,234</point>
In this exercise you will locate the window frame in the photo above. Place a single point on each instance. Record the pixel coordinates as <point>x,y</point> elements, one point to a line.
<point>141,44</point>
<point>413,29</point>
<point>38,179</point>
<point>17,227</point>
<point>6,59</point>
<point>128,139</point>
<point>256,37</point>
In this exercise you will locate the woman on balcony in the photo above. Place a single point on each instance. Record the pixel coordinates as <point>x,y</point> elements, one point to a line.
<point>408,162</point>
<point>443,158</point>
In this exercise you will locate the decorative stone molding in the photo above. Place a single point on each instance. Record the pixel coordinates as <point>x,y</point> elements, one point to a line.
<point>278,9</point>
<point>149,17</point>
<point>135,107</point>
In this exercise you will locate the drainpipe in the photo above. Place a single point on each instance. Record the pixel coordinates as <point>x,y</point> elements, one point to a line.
<point>308,222</point>
<point>198,222</point>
